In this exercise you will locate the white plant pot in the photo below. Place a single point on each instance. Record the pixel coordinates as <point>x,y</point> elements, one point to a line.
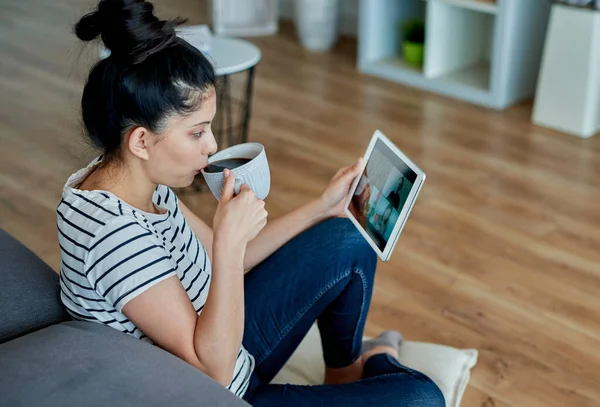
<point>317,23</point>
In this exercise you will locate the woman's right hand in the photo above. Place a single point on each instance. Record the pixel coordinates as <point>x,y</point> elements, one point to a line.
<point>239,218</point>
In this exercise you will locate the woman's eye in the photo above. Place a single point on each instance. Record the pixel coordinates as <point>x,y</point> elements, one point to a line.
<point>198,134</point>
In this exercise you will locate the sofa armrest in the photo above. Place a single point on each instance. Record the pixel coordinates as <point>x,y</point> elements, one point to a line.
<point>90,364</point>
<point>29,291</point>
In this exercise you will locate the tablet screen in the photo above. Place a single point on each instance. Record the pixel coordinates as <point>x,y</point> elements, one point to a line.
<point>381,193</point>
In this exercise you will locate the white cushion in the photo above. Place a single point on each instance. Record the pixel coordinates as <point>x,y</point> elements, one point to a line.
<point>448,367</point>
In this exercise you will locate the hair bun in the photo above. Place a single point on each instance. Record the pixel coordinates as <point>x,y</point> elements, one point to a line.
<point>129,29</point>
<point>88,28</point>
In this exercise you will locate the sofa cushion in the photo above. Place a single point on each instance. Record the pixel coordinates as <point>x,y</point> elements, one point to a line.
<point>29,291</point>
<point>88,364</point>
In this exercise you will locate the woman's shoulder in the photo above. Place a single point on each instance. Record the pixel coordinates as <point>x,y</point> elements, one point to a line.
<point>85,215</point>
<point>87,209</point>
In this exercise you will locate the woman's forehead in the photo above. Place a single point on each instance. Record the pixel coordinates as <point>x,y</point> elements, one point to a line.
<point>204,112</point>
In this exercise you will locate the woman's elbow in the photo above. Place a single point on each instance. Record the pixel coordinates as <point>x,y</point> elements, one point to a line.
<point>223,378</point>
<point>215,370</point>
<point>221,373</point>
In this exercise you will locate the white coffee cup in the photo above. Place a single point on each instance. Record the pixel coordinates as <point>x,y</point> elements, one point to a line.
<point>254,173</point>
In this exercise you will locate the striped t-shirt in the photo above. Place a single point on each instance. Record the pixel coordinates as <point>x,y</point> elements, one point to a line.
<point>112,252</point>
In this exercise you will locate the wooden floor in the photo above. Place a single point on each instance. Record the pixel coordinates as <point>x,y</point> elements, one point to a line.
<point>501,253</point>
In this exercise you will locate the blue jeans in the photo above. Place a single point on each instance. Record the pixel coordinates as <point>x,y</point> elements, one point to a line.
<point>325,274</point>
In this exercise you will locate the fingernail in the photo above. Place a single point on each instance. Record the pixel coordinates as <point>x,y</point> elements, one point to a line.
<point>226,172</point>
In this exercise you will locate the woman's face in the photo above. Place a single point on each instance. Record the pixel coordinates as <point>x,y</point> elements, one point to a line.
<point>182,150</point>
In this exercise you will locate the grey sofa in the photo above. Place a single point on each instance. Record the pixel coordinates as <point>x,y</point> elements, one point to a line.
<point>47,359</point>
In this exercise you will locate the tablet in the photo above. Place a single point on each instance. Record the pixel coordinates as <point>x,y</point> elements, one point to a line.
<point>381,198</point>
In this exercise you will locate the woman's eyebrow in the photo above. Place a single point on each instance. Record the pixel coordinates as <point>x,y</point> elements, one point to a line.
<point>198,124</point>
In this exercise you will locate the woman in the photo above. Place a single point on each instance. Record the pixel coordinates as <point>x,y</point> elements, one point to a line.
<point>136,259</point>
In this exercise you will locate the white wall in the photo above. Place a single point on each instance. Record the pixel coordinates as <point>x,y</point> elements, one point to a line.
<point>348,19</point>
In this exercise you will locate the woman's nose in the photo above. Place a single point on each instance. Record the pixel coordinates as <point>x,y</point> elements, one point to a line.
<point>212,148</point>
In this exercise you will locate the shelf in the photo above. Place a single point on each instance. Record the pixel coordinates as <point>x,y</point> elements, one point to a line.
<point>476,76</point>
<point>474,50</point>
<point>380,32</point>
<point>475,5</point>
<point>471,84</point>
<point>459,44</point>
<point>399,63</point>
<point>394,69</point>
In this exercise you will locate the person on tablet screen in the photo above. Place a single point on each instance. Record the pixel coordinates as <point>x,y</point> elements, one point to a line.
<point>394,196</point>
<point>233,298</point>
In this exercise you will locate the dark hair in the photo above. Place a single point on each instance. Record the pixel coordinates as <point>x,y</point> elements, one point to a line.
<point>150,73</point>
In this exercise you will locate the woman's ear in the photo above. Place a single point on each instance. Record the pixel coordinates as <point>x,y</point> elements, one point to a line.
<point>138,141</point>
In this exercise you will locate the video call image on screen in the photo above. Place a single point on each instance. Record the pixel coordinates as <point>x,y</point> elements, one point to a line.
<point>381,193</point>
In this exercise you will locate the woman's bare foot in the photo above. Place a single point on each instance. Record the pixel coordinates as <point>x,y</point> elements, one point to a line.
<point>346,374</point>
<point>379,349</point>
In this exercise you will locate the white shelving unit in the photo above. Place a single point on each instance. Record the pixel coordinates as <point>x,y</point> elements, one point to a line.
<point>480,52</point>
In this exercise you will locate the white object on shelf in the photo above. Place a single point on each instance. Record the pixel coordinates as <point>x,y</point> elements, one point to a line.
<point>480,52</point>
<point>568,94</point>
<point>245,18</point>
<point>317,23</point>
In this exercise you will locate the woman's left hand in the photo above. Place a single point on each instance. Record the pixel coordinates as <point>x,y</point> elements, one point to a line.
<point>334,197</point>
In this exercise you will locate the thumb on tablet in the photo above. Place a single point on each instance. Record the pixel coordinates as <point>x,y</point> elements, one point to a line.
<point>360,165</point>
<point>355,170</point>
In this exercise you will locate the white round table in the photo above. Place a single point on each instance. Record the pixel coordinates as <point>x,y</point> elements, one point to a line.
<point>232,55</point>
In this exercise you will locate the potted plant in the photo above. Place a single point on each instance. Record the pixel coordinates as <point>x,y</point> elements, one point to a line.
<point>317,23</point>
<point>413,44</point>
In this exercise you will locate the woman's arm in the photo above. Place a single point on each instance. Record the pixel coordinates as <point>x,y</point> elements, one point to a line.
<point>271,238</point>
<point>332,203</point>
<point>278,232</point>
<point>281,230</point>
<point>209,341</point>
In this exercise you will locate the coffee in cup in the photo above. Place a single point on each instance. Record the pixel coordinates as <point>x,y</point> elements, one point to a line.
<point>227,163</point>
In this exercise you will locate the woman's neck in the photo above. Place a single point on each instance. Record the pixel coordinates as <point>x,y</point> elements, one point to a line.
<point>127,182</point>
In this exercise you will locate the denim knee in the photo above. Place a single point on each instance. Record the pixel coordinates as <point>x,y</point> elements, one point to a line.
<point>426,394</point>
<point>346,239</point>
<point>411,386</point>
<point>434,396</point>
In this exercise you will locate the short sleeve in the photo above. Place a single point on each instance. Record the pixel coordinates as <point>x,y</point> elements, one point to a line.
<point>125,259</point>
